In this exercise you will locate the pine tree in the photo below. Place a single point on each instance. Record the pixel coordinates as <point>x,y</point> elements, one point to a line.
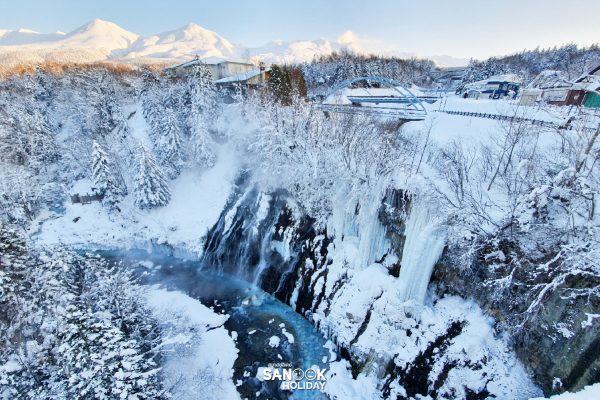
<point>106,179</point>
<point>151,188</point>
<point>280,84</point>
<point>108,109</point>
<point>168,143</point>
<point>297,81</point>
<point>202,99</point>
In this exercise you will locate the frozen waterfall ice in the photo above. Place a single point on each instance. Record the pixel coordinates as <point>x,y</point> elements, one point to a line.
<point>423,246</point>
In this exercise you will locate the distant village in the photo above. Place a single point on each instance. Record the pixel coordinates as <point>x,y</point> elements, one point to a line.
<point>549,87</point>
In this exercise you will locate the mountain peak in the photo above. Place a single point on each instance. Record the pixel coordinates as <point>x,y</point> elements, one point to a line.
<point>25,30</point>
<point>193,29</point>
<point>348,37</point>
<point>101,33</point>
<point>100,25</point>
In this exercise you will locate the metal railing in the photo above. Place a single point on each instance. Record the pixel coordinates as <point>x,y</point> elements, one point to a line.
<point>514,118</point>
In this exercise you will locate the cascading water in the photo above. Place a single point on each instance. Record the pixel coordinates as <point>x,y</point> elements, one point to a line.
<point>258,238</point>
<point>424,244</point>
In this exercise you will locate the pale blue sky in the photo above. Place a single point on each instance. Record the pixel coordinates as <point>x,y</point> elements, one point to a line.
<point>461,28</point>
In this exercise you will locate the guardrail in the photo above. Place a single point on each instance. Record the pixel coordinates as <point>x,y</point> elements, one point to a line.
<point>500,117</point>
<point>534,122</point>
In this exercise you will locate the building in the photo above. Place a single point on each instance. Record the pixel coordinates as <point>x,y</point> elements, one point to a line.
<point>218,68</point>
<point>552,87</point>
<point>494,87</point>
<point>248,79</point>
<point>449,77</point>
<point>590,85</point>
<point>530,96</point>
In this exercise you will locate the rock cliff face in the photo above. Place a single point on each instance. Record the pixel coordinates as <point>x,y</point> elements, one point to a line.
<point>266,239</point>
<point>552,315</point>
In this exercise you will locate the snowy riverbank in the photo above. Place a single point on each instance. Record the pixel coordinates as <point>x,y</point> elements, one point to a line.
<point>199,352</point>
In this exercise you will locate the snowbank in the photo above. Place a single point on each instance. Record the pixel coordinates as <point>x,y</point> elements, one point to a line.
<point>199,351</point>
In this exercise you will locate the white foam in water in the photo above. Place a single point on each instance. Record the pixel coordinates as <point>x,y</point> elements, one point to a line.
<point>424,244</point>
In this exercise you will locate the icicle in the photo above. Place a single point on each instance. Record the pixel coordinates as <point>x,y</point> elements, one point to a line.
<point>373,243</point>
<point>423,247</point>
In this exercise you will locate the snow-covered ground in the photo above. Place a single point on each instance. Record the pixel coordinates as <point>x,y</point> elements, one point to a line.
<point>199,351</point>
<point>591,392</point>
<point>198,197</point>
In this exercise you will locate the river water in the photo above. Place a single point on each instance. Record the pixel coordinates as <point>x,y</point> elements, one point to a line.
<point>254,315</point>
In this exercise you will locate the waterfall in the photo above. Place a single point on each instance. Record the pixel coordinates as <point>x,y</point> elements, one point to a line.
<point>424,244</point>
<point>259,239</point>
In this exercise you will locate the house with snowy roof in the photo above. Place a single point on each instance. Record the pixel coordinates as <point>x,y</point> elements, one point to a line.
<point>553,87</point>
<point>218,68</point>
<point>248,79</point>
<point>589,84</point>
<point>550,86</point>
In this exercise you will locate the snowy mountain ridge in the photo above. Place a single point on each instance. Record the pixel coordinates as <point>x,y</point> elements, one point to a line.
<point>101,40</point>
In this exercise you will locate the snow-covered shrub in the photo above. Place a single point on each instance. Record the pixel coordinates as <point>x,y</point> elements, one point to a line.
<point>323,160</point>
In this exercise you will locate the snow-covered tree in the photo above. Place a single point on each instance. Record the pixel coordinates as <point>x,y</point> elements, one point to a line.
<point>106,178</point>
<point>168,143</point>
<point>151,187</point>
<point>202,109</point>
<point>73,327</point>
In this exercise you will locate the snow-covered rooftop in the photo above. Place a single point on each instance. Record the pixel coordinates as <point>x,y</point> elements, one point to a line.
<point>590,81</point>
<point>208,61</point>
<point>242,77</point>
<point>550,79</point>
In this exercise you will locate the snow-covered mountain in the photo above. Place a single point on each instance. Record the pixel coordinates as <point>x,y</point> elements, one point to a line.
<point>289,52</point>
<point>181,43</point>
<point>26,36</point>
<point>101,40</point>
<point>99,34</point>
<point>94,41</point>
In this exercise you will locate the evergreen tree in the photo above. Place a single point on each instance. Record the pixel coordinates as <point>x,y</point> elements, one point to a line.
<point>151,188</point>
<point>280,85</point>
<point>297,81</point>
<point>106,179</point>
<point>202,110</point>
<point>108,109</point>
<point>168,143</point>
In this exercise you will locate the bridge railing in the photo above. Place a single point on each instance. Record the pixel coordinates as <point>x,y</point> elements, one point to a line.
<point>402,113</point>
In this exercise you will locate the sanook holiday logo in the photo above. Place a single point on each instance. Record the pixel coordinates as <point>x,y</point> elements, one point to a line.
<point>294,378</point>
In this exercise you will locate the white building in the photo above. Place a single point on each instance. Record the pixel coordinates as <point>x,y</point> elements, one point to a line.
<point>219,68</point>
